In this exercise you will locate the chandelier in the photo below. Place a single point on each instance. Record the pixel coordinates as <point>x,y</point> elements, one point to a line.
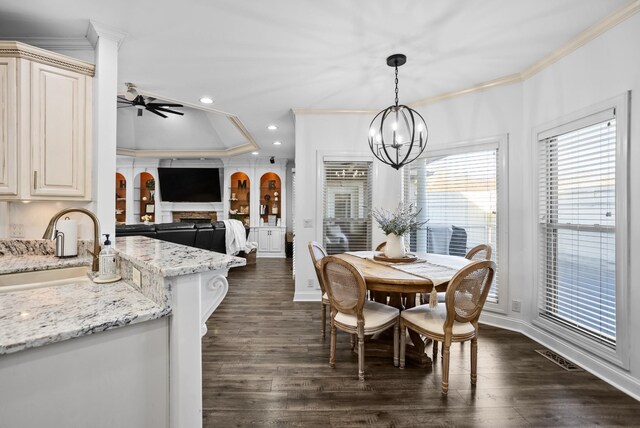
<point>398,134</point>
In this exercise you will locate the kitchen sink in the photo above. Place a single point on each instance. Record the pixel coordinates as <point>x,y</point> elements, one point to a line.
<point>42,278</point>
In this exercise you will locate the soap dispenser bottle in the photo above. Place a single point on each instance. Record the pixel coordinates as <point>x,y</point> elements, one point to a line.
<point>107,261</point>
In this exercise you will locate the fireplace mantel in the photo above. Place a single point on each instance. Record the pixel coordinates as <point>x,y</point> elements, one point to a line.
<point>206,208</point>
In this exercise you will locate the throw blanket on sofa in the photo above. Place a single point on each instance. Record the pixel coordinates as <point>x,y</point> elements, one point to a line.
<point>235,236</point>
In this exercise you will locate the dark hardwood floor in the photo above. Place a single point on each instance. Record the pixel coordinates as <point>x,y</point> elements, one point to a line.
<point>265,364</point>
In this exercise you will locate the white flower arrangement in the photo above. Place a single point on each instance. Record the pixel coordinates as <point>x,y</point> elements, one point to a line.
<point>399,222</point>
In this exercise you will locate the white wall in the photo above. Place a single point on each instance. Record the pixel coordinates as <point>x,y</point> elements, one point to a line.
<point>605,68</point>
<point>335,135</point>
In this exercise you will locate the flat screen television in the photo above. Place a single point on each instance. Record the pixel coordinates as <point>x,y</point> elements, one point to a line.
<point>189,184</point>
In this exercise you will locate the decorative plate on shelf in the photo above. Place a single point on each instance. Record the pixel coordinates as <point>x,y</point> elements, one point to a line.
<point>409,258</point>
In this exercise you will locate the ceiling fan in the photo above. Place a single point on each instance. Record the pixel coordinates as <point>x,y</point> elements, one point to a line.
<point>132,98</point>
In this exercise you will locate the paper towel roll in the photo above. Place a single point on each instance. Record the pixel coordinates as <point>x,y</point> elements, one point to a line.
<point>70,229</point>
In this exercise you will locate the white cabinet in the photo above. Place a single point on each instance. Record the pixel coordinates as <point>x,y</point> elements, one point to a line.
<point>270,242</point>
<point>8,129</point>
<point>47,155</point>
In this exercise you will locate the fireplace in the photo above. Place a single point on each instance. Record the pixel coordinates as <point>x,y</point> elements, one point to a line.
<point>195,216</point>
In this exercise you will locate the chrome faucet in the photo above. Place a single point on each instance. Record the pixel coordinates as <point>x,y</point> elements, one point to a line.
<point>50,232</point>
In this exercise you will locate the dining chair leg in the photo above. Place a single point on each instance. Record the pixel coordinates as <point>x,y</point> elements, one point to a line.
<point>445,366</point>
<point>403,343</point>
<point>435,350</point>
<point>332,354</point>
<point>474,360</point>
<point>324,320</point>
<point>395,344</point>
<point>361,354</point>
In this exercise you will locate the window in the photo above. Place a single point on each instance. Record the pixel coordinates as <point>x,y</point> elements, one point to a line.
<point>579,212</point>
<point>346,206</point>
<point>458,193</point>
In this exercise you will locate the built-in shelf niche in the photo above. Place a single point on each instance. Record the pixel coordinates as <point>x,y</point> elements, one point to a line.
<point>121,199</point>
<point>147,197</point>
<point>270,198</point>
<point>239,201</point>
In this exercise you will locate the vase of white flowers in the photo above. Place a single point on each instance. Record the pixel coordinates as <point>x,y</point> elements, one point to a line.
<point>395,225</point>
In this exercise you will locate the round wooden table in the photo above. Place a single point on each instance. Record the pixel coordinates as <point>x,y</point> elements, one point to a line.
<point>401,288</point>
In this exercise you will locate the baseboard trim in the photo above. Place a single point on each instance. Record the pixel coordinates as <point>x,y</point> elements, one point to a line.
<point>612,375</point>
<point>307,296</point>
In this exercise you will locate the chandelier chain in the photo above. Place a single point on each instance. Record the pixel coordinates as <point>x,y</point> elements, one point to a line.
<point>396,86</point>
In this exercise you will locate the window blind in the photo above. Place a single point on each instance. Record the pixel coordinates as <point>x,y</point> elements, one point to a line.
<point>346,206</point>
<point>577,229</point>
<point>458,195</point>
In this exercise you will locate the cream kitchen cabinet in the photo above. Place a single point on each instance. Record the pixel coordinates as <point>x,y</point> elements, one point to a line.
<point>270,242</point>
<point>45,151</point>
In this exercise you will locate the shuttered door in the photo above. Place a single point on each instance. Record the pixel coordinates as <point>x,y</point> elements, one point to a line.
<point>577,227</point>
<point>346,206</point>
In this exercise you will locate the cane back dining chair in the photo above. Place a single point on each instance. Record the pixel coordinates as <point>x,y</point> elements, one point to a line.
<point>317,253</point>
<point>456,320</point>
<point>478,253</point>
<point>352,312</point>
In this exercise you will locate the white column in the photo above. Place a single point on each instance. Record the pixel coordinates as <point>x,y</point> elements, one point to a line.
<point>105,90</point>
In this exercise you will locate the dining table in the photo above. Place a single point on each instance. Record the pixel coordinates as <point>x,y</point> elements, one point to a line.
<point>401,285</point>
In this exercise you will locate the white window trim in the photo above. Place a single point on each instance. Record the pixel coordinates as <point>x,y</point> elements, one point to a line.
<point>621,355</point>
<point>501,142</point>
<point>332,156</point>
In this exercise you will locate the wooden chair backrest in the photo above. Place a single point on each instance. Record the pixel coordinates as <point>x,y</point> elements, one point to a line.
<point>345,286</point>
<point>479,253</point>
<point>467,292</point>
<point>317,253</point>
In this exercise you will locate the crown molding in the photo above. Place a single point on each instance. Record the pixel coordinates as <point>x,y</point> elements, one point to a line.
<point>580,40</point>
<point>21,50</point>
<point>583,38</point>
<point>186,154</point>
<point>501,81</point>
<point>57,43</point>
<point>97,30</point>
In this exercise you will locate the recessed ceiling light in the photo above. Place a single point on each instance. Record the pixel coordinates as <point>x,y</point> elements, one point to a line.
<point>206,100</point>
<point>254,153</point>
<point>277,143</point>
<point>272,127</point>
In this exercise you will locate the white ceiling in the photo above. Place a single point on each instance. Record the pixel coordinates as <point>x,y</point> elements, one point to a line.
<point>259,59</point>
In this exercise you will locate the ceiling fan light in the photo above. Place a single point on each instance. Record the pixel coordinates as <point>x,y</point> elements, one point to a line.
<point>131,93</point>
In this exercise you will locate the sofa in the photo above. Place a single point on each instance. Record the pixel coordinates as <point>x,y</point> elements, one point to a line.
<point>208,236</point>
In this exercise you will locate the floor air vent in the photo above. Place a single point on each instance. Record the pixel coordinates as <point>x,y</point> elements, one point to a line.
<point>559,360</point>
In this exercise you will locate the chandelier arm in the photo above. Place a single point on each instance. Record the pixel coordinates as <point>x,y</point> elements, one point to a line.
<point>386,113</point>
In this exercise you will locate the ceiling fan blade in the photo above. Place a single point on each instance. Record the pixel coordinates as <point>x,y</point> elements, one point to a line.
<point>139,112</point>
<point>166,110</point>
<point>164,105</point>
<point>150,99</point>
<point>123,100</point>
<point>155,112</point>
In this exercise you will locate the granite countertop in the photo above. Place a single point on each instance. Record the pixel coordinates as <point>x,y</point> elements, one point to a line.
<point>29,263</point>
<point>168,259</point>
<point>76,307</point>
<point>37,317</point>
